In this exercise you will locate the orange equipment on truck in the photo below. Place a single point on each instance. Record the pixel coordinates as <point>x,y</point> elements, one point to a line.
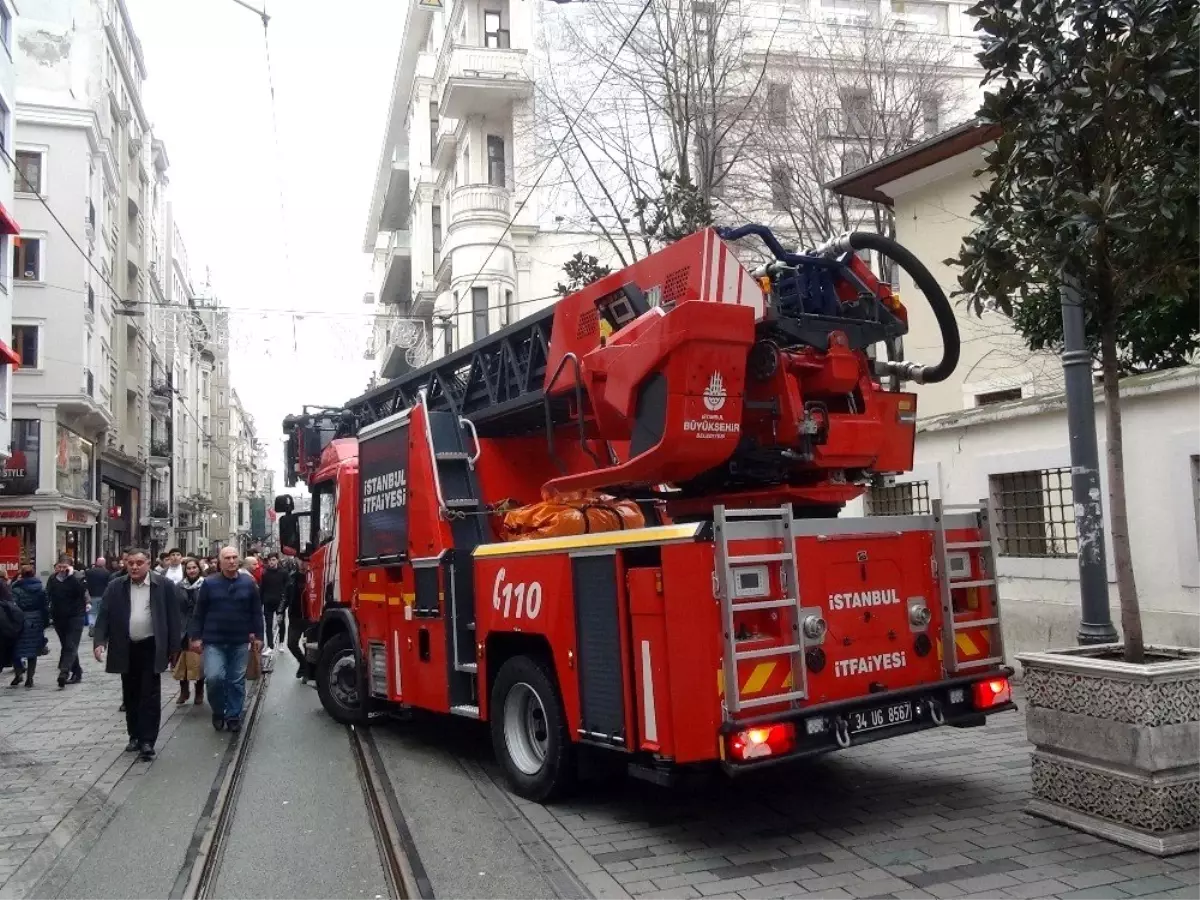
<point>744,623</point>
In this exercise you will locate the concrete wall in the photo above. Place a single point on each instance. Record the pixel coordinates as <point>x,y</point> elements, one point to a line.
<point>957,453</point>
<point>933,215</point>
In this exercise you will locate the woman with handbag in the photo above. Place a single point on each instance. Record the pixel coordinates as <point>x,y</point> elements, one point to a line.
<point>30,595</point>
<point>190,665</point>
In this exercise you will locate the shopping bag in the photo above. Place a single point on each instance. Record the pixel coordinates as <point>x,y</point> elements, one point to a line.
<point>253,666</point>
<point>180,671</point>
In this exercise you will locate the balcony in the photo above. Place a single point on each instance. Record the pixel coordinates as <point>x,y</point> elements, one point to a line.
<point>446,144</point>
<point>472,203</point>
<point>481,80</point>
<point>160,396</point>
<point>397,274</point>
<point>160,512</point>
<point>395,213</point>
<point>160,453</point>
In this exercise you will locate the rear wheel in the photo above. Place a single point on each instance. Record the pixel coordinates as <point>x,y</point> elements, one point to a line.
<point>341,690</point>
<point>529,730</point>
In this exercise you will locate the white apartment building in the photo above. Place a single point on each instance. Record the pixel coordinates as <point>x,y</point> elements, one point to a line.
<point>9,228</point>
<point>455,255</point>
<point>454,168</point>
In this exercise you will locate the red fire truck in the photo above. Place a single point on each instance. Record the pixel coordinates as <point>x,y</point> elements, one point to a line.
<point>745,623</point>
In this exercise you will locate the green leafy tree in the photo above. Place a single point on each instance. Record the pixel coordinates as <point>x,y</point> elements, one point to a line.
<point>679,209</point>
<point>581,270</point>
<point>1093,183</point>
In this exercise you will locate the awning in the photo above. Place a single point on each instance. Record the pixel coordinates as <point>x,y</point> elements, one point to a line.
<point>9,357</point>
<point>7,224</point>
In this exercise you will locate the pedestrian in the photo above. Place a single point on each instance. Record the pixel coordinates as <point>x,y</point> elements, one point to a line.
<point>139,626</point>
<point>295,618</point>
<point>12,621</point>
<point>161,568</point>
<point>228,617</point>
<point>96,578</point>
<point>189,667</point>
<point>174,565</point>
<point>29,594</point>
<point>68,612</point>
<point>274,584</point>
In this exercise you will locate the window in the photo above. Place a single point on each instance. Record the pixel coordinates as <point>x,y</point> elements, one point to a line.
<point>494,36</point>
<point>433,128</point>
<point>1035,515</point>
<point>27,259</point>
<point>702,15</point>
<point>479,313</point>
<point>508,307</point>
<point>910,499</point>
<point>853,159</point>
<point>5,28</point>
<point>779,95</point>
<point>4,127</point>
<point>1196,499</point>
<point>26,340</point>
<point>856,111</point>
<point>1001,396</point>
<point>447,337</point>
<point>930,114</point>
<point>920,16</point>
<point>495,160</point>
<point>435,214</point>
<point>73,476</point>
<point>28,178</point>
<point>781,189</point>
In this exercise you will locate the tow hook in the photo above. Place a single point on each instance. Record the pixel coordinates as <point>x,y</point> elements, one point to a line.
<point>936,713</point>
<point>841,732</point>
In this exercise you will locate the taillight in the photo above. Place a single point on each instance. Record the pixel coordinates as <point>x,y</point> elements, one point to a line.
<point>992,692</point>
<point>764,741</point>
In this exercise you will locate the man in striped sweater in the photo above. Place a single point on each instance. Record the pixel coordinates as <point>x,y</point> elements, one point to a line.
<point>227,626</point>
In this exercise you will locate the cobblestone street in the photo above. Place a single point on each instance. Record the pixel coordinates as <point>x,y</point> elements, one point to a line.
<point>61,757</point>
<point>937,814</point>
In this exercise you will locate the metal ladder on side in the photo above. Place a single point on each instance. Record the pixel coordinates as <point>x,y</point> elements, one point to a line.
<point>730,525</point>
<point>947,586</point>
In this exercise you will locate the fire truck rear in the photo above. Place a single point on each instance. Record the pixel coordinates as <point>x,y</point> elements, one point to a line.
<point>743,622</point>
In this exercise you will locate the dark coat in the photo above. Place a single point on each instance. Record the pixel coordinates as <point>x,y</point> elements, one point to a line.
<point>30,595</point>
<point>68,598</point>
<point>187,603</point>
<point>228,610</point>
<point>274,587</point>
<point>112,625</point>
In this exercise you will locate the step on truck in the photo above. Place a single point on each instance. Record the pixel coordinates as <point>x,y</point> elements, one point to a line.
<point>742,622</point>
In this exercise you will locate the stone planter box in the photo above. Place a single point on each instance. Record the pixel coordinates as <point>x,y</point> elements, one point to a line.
<point>1117,745</point>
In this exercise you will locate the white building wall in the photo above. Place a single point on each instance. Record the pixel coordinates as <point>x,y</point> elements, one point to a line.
<point>8,104</point>
<point>960,454</point>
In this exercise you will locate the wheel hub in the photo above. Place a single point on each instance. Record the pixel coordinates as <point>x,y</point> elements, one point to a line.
<point>526,733</point>
<point>343,680</point>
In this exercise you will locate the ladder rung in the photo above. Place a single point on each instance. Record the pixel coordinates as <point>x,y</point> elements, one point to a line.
<point>981,582</point>
<point>968,545</point>
<point>771,512</point>
<point>467,667</point>
<point>753,558</point>
<point>763,604</point>
<point>451,454</point>
<point>977,623</point>
<point>975,663</point>
<point>461,503</point>
<point>785,650</point>
<point>772,698</point>
<point>468,710</point>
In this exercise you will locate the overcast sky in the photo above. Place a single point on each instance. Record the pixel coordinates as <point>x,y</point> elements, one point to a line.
<point>207,97</point>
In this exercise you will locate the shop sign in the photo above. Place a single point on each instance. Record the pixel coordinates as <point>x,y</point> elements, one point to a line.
<point>75,515</point>
<point>10,556</point>
<point>10,514</point>
<point>19,476</point>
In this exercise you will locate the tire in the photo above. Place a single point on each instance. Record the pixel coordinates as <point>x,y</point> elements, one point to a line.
<point>337,681</point>
<point>538,762</point>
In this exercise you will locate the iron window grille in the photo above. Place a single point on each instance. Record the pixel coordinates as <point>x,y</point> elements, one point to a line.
<point>908,499</point>
<point>1035,514</point>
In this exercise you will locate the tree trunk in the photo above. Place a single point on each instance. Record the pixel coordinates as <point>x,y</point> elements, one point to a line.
<point>1131,616</point>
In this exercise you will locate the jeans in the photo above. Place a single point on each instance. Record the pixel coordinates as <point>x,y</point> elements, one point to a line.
<point>95,601</point>
<point>269,613</point>
<point>225,678</point>
<point>141,693</point>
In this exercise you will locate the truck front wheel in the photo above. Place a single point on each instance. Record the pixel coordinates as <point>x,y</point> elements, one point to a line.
<point>341,690</point>
<point>529,730</point>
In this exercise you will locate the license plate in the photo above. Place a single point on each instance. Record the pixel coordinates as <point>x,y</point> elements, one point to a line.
<point>881,716</point>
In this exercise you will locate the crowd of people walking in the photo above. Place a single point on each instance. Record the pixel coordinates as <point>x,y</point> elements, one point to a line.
<point>201,619</point>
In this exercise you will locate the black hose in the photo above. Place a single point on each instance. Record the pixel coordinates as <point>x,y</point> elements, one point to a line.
<point>923,279</point>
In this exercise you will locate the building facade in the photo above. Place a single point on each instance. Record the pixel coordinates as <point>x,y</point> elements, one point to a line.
<point>9,230</point>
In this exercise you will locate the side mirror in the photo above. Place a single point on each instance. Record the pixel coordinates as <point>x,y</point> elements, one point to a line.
<point>289,530</point>
<point>307,552</point>
<point>284,503</point>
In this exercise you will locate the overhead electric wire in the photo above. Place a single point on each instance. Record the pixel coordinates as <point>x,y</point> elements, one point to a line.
<point>558,150</point>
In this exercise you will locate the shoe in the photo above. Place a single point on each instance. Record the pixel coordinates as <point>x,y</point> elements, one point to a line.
<point>199,701</point>
<point>28,683</point>
<point>184,696</point>
<point>234,725</point>
<point>299,673</point>
<point>75,679</point>
<point>147,752</point>
<point>121,708</point>
<point>131,746</point>
<point>16,680</point>
<point>218,723</point>
<point>62,681</point>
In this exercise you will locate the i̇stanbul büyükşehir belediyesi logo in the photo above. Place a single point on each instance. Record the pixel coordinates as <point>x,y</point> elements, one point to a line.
<point>714,394</point>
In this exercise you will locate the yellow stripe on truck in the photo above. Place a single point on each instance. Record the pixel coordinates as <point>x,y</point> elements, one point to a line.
<point>758,678</point>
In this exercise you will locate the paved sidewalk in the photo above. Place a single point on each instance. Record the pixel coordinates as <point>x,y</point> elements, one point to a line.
<point>937,814</point>
<point>61,756</point>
